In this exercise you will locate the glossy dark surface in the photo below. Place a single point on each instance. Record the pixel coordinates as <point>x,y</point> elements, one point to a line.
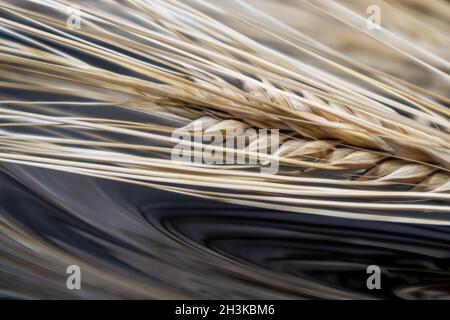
<point>135,242</point>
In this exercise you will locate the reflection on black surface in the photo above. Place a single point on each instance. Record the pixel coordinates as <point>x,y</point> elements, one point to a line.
<point>134,242</point>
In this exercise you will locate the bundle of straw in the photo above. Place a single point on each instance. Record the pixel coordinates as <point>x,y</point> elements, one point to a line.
<point>362,113</point>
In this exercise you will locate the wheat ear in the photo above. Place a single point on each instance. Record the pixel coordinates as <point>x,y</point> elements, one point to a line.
<point>357,140</point>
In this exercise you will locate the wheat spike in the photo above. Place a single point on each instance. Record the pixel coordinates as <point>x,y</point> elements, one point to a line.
<point>352,130</point>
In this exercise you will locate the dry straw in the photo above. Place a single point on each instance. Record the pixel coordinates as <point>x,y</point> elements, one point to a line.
<point>363,115</point>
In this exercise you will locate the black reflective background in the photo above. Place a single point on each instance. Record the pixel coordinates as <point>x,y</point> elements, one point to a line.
<point>135,242</point>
